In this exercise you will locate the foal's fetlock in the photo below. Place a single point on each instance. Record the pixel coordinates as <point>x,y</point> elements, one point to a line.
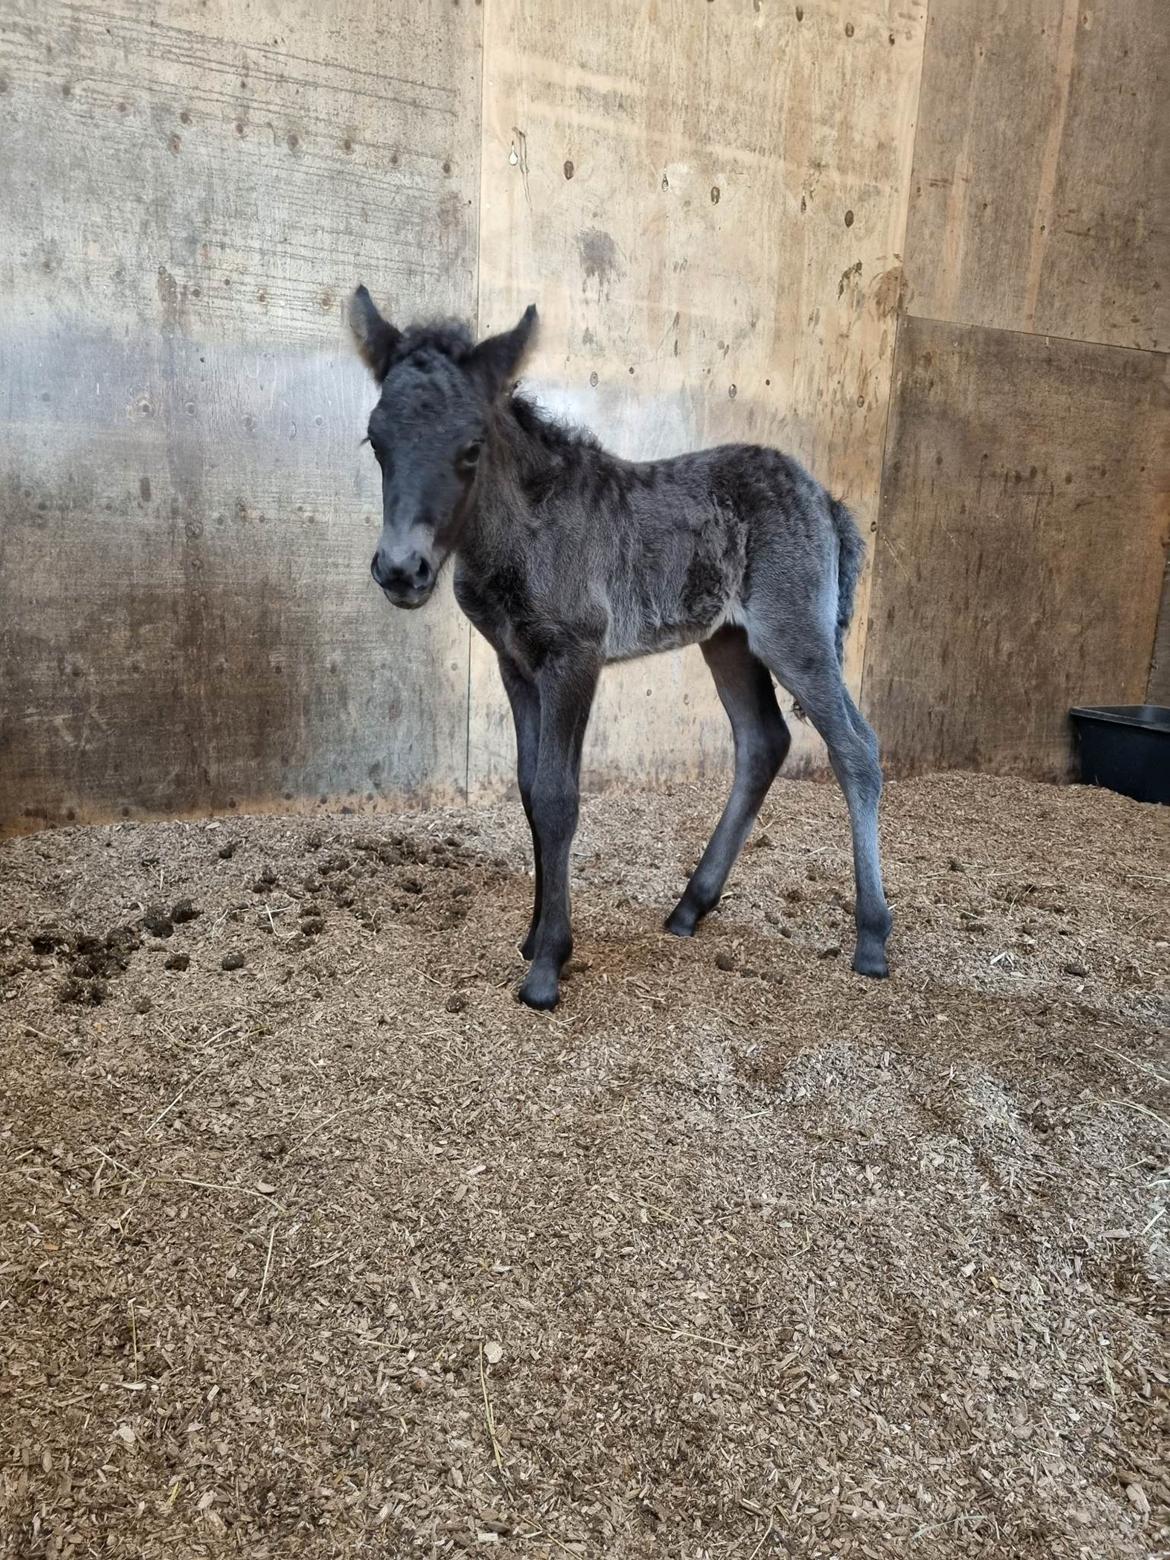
<point>870,959</point>
<point>870,955</point>
<point>541,987</point>
<point>684,919</point>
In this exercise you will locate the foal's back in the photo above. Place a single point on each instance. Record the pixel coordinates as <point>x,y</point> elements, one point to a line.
<point>669,551</point>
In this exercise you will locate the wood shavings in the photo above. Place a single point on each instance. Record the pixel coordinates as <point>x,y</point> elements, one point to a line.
<point>735,1257</point>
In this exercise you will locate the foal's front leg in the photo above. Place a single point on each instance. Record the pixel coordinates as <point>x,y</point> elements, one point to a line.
<point>567,684</point>
<point>524,698</point>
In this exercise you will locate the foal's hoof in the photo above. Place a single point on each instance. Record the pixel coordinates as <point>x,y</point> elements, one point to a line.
<point>871,962</point>
<point>681,923</point>
<point>540,991</point>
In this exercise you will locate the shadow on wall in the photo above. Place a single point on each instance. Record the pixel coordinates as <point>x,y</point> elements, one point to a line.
<point>188,620</point>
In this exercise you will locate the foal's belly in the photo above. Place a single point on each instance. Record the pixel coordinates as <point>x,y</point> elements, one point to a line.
<point>676,588</point>
<point>631,638</point>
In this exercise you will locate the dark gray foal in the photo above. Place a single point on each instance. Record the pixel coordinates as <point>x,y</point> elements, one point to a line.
<point>567,557</point>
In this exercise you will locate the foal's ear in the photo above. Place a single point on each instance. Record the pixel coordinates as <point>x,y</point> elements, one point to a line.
<point>495,361</point>
<point>376,338</point>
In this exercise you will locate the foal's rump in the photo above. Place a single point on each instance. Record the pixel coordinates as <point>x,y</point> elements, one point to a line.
<point>804,551</point>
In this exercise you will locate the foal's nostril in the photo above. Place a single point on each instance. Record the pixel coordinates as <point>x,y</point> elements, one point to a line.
<point>412,572</point>
<point>385,573</point>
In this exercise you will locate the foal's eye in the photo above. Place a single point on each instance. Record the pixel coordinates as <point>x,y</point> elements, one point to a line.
<point>468,456</point>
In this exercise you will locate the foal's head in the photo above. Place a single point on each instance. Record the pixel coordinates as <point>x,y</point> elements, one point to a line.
<point>427,431</point>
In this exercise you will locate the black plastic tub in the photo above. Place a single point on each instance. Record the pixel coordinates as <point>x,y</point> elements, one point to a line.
<point>1126,748</point>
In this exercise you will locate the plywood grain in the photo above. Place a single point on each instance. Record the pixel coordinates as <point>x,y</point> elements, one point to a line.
<point>1020,549</point>
<point>1158,687</point>
<point>707,203</point>
<point>189,193</point>
<point>1041,195</point>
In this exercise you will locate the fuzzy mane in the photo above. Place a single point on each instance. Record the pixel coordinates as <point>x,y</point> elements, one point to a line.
<point>453,339</point>
<point>448,338</point>
<point>546,430</point>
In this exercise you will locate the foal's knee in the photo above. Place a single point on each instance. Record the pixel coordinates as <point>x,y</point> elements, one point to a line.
<point>554,810</point>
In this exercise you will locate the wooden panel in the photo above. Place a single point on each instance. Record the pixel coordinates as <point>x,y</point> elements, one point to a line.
<point>189,193</point>
<point>1158,687</point>
<point>707,203</point>
<point>1041,196</point>
<point>1019,560</point>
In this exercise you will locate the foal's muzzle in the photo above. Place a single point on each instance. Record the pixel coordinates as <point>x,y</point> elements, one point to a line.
<point>407,579</point>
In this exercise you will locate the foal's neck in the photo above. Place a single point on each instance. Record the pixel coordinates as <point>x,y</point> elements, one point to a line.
<point>528,457</point>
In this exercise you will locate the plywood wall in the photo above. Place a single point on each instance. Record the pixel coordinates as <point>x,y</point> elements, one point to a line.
<point>737,218</point>
<point>1021,545</point>
<point>1158,686</point>
<point>708,204</point>
<point>188,192</point>
<point>1025,506</point>
<point>1041,196</point>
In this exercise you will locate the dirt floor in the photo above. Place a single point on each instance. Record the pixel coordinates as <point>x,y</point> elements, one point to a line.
<point>313,1242</point>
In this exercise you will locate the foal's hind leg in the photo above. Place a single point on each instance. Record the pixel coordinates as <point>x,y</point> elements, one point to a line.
<point>761,743</point>
<point>804,660</point>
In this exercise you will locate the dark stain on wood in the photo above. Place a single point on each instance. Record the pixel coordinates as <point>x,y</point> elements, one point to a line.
<point>1003,592</point>
<point>177,664</point>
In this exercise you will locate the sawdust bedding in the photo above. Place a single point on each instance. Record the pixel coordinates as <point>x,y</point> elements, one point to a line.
<point>313,1242</point>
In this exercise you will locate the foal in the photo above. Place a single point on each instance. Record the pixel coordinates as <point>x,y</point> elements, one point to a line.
<point>567,557</point>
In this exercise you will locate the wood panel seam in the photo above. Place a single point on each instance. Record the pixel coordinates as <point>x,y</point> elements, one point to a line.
<point>483,137</point>
<point>892,387</point>
<point>877,534</point>
<point>1036,335</point>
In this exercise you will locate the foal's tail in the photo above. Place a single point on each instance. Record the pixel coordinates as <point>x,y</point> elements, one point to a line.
<point>850,557</point>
